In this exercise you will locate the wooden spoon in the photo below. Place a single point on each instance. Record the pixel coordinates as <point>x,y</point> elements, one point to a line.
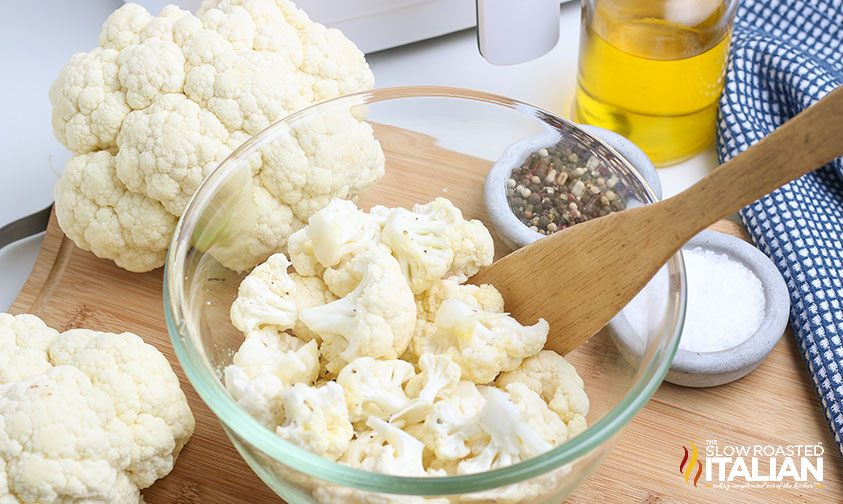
<point>579,278</point>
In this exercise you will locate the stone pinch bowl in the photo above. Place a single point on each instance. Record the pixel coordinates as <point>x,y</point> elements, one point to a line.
<point>514,232</point>
<point>709,369</point>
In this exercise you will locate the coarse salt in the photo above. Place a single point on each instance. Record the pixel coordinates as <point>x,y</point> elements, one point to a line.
<point>725,302</point>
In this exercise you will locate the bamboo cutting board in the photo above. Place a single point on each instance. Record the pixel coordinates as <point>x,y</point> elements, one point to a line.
<point>775,405</point>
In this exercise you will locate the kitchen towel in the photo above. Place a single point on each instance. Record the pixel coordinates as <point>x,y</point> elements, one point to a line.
<point>786,55</point>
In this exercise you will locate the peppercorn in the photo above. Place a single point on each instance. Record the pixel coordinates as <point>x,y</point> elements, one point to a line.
<point>559,186</point>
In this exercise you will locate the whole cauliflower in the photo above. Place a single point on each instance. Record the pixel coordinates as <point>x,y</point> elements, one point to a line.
<point>162,100</point>
<point>95,417</point>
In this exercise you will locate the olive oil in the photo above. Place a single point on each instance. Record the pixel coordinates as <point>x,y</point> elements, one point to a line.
<point>653,80</point>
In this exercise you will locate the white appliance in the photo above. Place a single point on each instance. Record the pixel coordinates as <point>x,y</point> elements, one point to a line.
<point>375,25</point>
<point>380,24</point>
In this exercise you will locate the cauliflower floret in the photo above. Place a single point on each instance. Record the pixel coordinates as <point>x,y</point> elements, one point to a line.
<point>470,240</point>
<point>376,319</point>
<point>486,297</point>
<point>88,103</point>
<point>450,428</point>
<point>438,378</point>
<point>124,27</point>
<point>434,241</point>
<point>145,393</point>
<point>310,291</point>
<point>24,342</point>
<point>341,230</point>
<point>482,343</point>
<point>266,298</point>
<point>99,214</point>
<point>373,388</point>
<point>171,96</point>
<point>260,396</point>
<point>345,276</point>
<point>319,158</point>
<point>301,253</point>
<point>316,419</point>
<point>421,245</point>
<point>554,378</point>
<point>536,413</point>
<point>157,150</point>
<point>286,357</point>
<point>150,69</point>
<point>475,251</point>
<point>509,430</point>
<point>386,449</point>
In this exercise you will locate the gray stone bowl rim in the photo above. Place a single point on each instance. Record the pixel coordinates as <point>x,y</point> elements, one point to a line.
<point>752,351</point>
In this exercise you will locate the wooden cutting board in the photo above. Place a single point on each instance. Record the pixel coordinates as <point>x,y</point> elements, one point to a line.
<point>774,405</point>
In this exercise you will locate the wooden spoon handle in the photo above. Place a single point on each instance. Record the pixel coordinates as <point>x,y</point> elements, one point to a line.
<point>810,140</point>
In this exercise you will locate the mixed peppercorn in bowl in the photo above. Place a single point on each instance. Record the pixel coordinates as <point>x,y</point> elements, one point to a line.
<point>357,363</point>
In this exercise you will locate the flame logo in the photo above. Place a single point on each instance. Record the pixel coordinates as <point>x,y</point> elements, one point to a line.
<point>687,466</point>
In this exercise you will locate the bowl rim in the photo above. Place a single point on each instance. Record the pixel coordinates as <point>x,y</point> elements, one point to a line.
<point>244,426</point>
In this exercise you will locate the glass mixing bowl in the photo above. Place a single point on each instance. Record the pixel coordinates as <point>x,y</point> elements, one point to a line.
<point>436,142</point>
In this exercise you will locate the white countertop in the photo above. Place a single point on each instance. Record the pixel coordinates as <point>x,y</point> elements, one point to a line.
<point>38,37</point>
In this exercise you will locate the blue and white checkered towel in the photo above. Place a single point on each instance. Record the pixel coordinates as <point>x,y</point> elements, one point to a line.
<point>786,55</point>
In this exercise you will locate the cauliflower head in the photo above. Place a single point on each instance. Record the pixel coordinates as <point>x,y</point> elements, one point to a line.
<point>482,343</point>
<point>376,319</point>
<point>94,418</point>
<point>470,240</point>
<point>146,392</point>
<point>162,100</point>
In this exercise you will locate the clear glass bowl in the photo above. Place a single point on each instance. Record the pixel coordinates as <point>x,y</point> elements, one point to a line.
<point>437,142</point>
